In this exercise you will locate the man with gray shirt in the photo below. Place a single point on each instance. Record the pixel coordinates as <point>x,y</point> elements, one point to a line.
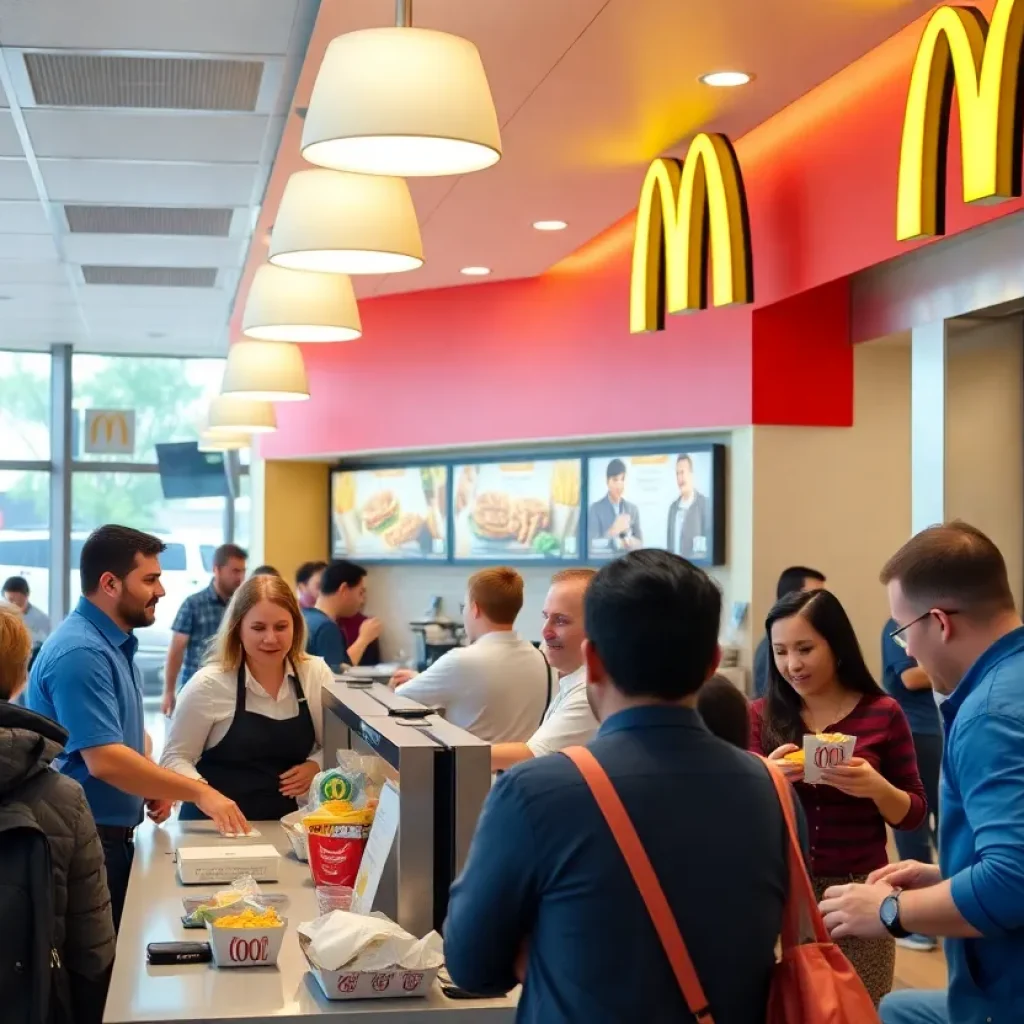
<point>16,591</point>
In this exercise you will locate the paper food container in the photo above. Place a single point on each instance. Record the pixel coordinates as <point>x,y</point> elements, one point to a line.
<point>391,983</point>
<point>819,754</point>
<point>296,833</point>
<point>246,947</point>
<point>202,865</point>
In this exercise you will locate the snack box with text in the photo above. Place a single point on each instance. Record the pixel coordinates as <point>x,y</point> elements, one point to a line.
<point>246,947</point>
<point>390,983</point>
<point>825,750</point>
<point>202,865</point>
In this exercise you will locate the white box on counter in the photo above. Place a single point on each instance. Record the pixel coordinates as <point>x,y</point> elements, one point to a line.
<point>390,983</point>
<point>201,865</point>
<point>246,947</point>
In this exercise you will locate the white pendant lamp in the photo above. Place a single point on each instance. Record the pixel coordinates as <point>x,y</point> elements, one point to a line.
<point>265,371</point>
<point>223,442</point>
<point>340,223</point>
<point>300,306</point>
<point>230,415</point>
<point>405,101</point>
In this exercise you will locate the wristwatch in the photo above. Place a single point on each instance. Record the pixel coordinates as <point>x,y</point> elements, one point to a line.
<point>889,912</point>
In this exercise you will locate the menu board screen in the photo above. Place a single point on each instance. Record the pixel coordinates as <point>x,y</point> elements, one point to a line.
<point>394,513</point>
<point>673,501</point>
<point>515,511</point>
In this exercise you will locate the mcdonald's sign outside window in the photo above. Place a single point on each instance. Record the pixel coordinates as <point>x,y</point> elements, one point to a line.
<point>109,432</point>
<point>961,53</point>
<point>691,212</point>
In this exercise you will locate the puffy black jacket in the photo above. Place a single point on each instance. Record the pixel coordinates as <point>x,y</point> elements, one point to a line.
<point>83,926</point>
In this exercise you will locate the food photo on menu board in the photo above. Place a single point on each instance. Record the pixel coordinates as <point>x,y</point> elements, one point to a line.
<point>506,511</point>
<point>395,513</point>
<point>672,501</point>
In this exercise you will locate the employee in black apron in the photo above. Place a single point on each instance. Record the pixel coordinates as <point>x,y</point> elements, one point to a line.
<point>248,722</point>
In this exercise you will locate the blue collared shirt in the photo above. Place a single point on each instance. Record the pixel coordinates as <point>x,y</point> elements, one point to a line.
<point>199,619</point>
<point>85,679</point>
<point>981,833</point>
<point>324,638</point>
<point>544,869</point>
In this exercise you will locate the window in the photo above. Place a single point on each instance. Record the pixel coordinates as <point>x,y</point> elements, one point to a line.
<point>25,531</point>
<point>168,396</point>
<point>25,405</point>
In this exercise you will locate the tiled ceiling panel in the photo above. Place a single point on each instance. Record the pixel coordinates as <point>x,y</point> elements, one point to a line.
<point>28,247</point>
<point>99,297</point>
<point>20,271</point>
<point>153,251</point>
<point>160,277</point>
<point>149,220</point>
<point>16,180</point>
<point>10,144</point>
<point>134,83</point>
<point>23,218</point>
<point>153,135</point>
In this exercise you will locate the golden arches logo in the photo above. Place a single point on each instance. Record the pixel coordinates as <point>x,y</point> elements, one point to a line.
<point>959,50</point>
<point>687,209</point>
<point>111,424</point>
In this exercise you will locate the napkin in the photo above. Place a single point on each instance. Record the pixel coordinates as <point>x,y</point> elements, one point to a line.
<point>368,943</point>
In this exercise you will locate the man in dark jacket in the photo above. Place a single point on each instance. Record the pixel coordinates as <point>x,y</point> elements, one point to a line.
<point>82,926</point>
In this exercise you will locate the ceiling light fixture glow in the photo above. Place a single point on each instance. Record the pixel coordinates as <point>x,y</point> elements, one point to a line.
<point>340,223</point>
<point>726,79</point>
<point>300,306</point>
<point>265,371</point>
<point>475,271</point>
<point>550,225</point>
<point>223,442</point>
<point>401,101</point>
<point>229,415</point>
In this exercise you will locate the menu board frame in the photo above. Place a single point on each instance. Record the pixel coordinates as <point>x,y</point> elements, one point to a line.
<point>586,455</point>
<point>404,464</point>
<point>671,446</point>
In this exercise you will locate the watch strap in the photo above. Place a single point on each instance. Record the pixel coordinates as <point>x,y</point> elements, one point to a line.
<point>894,927</point>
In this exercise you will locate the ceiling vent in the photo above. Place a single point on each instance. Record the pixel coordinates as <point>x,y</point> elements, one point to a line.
<point>148,220</point>
<point>152,277</point>
<point>151,83</point>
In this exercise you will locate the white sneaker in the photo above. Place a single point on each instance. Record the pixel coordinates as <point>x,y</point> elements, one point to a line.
<point>918,943</point>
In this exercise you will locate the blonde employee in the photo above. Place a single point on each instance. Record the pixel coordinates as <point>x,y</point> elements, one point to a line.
<point>569,720</point>
<point>249,721</point>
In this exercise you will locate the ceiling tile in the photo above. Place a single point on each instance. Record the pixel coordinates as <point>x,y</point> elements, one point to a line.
<point>16,180</point>
<point>28,247</point>
<point>10,144</point>
<point>200,221</point>
<point>153,251</point>
<point>100,296</point>
<point>149,277</point>
<point>22,272</point>
<point>158,184</point>
<point>198,26</point>
<point>155,135</point>
<point>23,218</point>
<point>34,297</point>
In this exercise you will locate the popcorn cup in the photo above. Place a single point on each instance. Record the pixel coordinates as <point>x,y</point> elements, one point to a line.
<point>246,947</point>
<point>821,753</point>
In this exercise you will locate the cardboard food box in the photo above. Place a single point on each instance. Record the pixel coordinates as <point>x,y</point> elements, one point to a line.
<point>391,983</point>
<point>246,947</point>
<point>202,865</point>
<point>825,751</point>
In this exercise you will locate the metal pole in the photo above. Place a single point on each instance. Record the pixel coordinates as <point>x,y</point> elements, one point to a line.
<point>61,457</point>
<point>403,13</point>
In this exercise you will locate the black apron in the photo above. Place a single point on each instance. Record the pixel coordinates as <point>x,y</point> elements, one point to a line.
<point>247,764</point>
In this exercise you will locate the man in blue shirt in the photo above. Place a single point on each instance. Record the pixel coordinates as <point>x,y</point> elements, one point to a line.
<point>910,686</point>
<point>85,679</point>
<point>791,581</point>
<point>342,595</point>
<point>198,620</point>
<point>544,871</point>
<point>951,599</point>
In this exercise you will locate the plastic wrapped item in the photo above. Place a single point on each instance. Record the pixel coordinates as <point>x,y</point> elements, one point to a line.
<point>296,832</point>
<point>244,893</point>
<point>333,897</point>
<point>356,780</point>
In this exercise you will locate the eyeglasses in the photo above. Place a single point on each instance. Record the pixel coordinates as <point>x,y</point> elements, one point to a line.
<point>897,634</point>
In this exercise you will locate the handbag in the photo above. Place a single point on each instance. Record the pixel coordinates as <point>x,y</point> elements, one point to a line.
<point>813,983</point>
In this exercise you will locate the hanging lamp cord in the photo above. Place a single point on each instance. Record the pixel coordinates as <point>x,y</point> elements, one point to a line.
<point>403,13</point>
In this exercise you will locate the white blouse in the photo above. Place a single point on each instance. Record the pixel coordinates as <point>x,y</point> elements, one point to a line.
<point>206,709</point>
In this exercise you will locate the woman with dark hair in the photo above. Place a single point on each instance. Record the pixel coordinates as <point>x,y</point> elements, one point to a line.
<point>818,683</point>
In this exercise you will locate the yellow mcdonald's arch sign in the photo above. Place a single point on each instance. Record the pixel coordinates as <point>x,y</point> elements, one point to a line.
<point>959,50</point>
<point>687,209</point>
<point>109,431</point>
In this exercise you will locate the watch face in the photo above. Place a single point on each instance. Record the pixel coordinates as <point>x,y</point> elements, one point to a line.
<point>890,911</point>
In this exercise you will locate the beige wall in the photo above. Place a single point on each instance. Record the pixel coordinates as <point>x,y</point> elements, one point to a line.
<point>985,435</point>
<point>838,499</point>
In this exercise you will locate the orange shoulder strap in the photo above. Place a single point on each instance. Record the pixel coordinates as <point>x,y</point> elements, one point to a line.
<point>646,880</point>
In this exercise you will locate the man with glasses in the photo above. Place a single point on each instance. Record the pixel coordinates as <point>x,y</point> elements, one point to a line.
<point>951,601</point>
<point>909,685</point>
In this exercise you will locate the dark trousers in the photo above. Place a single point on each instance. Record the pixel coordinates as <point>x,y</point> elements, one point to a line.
<point>118,853</point>
<point>917,845</point>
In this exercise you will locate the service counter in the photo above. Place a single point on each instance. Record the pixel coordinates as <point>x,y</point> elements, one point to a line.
<point>202,994</point>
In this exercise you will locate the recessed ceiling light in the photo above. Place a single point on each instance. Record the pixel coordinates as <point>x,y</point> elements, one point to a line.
<point>550,225</point>
<point>726,79</point>
<point>475,271</point>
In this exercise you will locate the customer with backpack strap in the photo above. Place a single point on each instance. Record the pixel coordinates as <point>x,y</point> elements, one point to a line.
<point>58,933</point>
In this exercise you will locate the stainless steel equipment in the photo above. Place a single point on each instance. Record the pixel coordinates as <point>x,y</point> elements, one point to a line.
<point>444,775</point>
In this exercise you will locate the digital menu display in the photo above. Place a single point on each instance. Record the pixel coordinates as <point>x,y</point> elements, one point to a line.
<point>394,514</point>
<point>669,500</point>
<point>515,511</point>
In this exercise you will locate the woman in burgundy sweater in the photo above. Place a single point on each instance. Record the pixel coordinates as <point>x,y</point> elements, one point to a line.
<point>818,682</point>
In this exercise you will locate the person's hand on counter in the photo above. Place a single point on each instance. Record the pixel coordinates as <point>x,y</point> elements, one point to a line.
<point>158,811</point>
<point>224,813</point>
<point>403,675</point>
<point>296,781</point>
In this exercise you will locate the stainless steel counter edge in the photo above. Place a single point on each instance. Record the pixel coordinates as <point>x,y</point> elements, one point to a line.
<point>202,994</point>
